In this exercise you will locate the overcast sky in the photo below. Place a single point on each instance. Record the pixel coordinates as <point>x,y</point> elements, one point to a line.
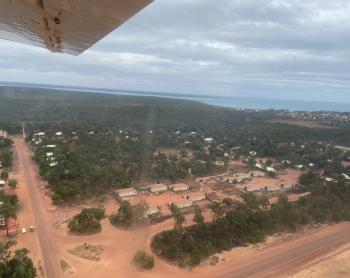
<point>293,49</point>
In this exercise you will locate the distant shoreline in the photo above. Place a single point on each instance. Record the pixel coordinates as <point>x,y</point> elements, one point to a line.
<point>222,101</point>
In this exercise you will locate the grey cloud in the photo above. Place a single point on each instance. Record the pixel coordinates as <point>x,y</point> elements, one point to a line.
<point>265,48</point>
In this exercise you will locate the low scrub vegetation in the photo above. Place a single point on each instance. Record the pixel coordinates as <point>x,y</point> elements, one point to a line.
<point>87,221</point>
<point>143,261</point>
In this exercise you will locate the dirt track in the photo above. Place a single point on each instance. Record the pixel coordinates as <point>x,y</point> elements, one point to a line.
<point>272,260</point>
<point>288,257</point>
<point>32,191</point>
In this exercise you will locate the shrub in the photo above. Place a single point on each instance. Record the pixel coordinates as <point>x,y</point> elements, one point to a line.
<point>143,261</point>
<point>4,175</point>
<point>87,221</point>
<point>12,183</point>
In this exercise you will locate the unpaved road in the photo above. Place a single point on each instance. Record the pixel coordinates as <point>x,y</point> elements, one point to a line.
<point>26,170</point>
<point>288,257</point>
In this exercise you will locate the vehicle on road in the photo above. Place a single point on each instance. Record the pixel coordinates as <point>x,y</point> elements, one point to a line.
<point>24,230</point>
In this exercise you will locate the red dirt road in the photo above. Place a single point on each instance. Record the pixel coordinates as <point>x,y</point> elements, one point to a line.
<point>31,189</point>
<point>288,257</point>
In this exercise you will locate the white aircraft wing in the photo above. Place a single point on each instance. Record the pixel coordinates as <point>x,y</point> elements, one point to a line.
<point>69,26</point>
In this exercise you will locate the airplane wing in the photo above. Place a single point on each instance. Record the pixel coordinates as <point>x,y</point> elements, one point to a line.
<point>69,26</point>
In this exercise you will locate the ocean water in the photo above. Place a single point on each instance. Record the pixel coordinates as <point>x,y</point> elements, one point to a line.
<point>276,104</point>
<point>234,102</point>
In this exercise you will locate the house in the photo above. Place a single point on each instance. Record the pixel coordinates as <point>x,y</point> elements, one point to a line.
<point>196,197</point>
<point>179,187</point>
<point>346,176</point>
<point>2,221</point>
<point>59,133</point>
<point>53,164</point>
<point>209,140</point>
<point>299,166</point>
<point>257,174</point>
<point>183,204</point>
<point>270,169</point>
<point>259,166</point>
<point>253,188</point>
<point>237,178</point>
<point>273,188</point>
<point>126,192</point>
<point>49,154</point>
<point>51,146</point>
<point>3,133</point>
<point>152,211</point>
<point>2,183</point>
<point>159,187</point>
<point>253,153</point>
<point>219,163</point>
<point>287,186</point>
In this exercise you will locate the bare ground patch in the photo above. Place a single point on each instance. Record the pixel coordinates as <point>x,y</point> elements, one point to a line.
<point>87,251</point>
<point>66,267</point>
<point>308,124</point>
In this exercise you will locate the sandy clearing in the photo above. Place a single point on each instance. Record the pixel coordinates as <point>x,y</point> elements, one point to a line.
<point>288,176</point>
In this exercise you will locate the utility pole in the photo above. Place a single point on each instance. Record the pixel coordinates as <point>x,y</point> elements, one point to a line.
<point>23,131</point>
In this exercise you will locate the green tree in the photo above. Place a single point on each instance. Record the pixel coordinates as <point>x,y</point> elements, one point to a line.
<point>178,217</point>
<point>128,215</point>
<point>87,221</point>
<point>4,175</point>
<point>198,217</point>
<point>12,183</point>
<point>9,208</point>
<point>15,266</point>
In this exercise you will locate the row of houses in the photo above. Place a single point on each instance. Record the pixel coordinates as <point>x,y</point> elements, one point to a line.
<point>154,188</point>
<point>241,177</point>
<point>272,188</point>
<point>186,203</point>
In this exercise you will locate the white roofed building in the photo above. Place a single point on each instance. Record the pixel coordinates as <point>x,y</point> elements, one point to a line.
<point>179,187</point>
<point>159,187</point>
<point>196,197</point>
<point>126,192</point>
<point>152,211</point>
